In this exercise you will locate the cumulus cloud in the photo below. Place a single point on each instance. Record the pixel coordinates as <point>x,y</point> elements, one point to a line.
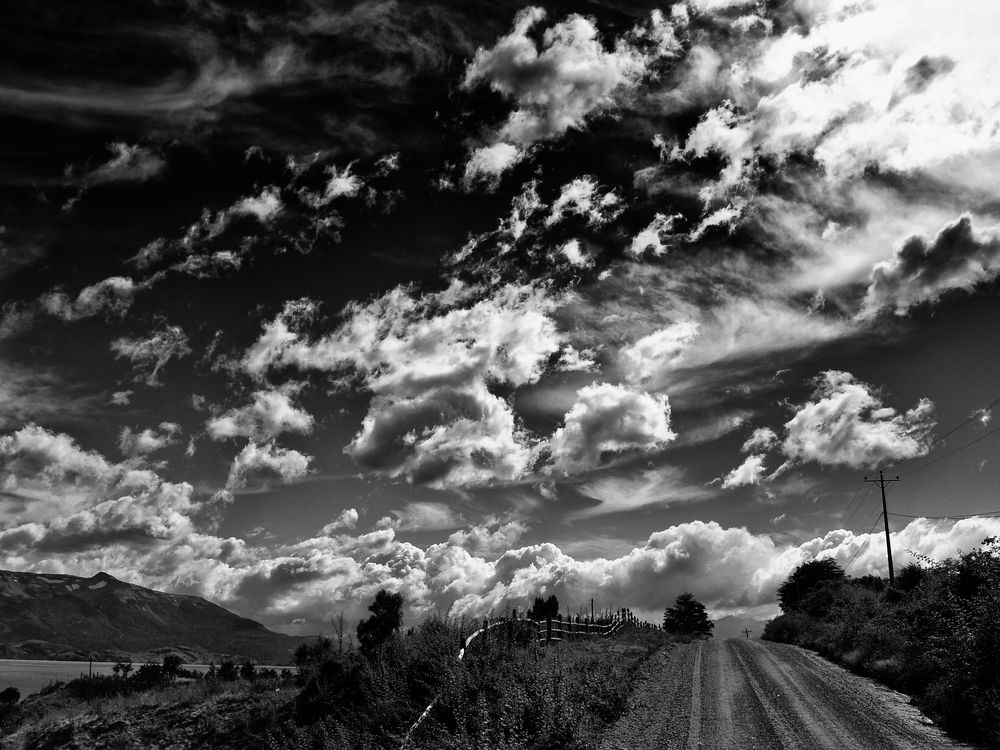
<point>151,354</point>
<point>112,295</point>
<point>655,237</point>
<point>264,207</point>
<point>609,420</point>
<point>348,519</point>
<point>443,437</point>
<point>570,76</point>
<point>266,460</point>
<point>751,471</point>
<point>341,183</point>
<point>150,440</point>
<point>267,416</point>
<point>847,423</point>
<point>140,528</point>
<point>659,351</point>
<point>959,257</point>
<point>431,362</point>
<point>580,197</point>
<point>761,440</point>
<point>856,85</point>
<point>486,164</point>
<point>487,538</point>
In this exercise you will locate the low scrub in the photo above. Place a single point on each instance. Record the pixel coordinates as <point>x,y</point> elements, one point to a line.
<point>935,636</point>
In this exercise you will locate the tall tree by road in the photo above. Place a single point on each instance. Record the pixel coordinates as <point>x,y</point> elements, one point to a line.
<point>687,617</point>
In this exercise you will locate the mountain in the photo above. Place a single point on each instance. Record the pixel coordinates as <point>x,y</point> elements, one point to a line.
<point>732,627</point>
<point>68,617</point>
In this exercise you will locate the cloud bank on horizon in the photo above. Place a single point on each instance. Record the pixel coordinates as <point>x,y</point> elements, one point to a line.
<point>476,303</point>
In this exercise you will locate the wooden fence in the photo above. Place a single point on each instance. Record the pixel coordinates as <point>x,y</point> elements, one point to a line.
<point>546,631</point>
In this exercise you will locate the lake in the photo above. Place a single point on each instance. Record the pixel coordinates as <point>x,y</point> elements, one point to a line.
<point>31,675</point>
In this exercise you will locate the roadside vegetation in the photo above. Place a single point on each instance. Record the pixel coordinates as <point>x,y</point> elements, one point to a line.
<point>509,692</point>
<point>934,636</point>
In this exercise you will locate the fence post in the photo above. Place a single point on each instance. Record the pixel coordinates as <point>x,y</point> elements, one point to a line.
<point>548,629</point>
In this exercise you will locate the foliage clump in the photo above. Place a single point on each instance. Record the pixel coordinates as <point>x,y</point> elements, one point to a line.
<point>687,618</point>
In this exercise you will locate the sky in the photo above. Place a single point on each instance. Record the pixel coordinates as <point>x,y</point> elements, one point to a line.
<point>478,301</point>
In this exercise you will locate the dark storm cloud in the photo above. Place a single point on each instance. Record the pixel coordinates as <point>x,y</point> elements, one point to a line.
<point>959,257</point>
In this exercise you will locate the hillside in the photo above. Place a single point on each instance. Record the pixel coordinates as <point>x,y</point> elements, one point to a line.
<point>67,617</point>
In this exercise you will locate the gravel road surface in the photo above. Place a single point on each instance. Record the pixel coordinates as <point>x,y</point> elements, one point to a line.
<point>752,694</point>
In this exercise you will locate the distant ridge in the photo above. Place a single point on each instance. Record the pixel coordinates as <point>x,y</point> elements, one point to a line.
<point>56,616</point>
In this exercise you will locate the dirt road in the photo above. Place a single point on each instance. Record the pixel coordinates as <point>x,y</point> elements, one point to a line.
<point>751,694</point>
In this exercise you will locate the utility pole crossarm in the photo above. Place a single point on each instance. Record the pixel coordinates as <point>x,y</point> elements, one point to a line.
<point>882,482</point>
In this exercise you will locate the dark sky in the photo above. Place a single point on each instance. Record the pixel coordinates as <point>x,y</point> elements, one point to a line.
<point>480,300</point>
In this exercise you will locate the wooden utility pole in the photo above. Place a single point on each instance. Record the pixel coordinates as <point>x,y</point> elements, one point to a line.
<point>882,482</point>
<point>747,631</point>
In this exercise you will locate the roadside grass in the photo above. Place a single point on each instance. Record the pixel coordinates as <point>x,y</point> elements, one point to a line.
<point>510,692</point>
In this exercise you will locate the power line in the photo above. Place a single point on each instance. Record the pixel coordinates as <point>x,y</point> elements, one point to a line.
<point>859,505</point>
<point>953,452</point>
<point>988,514</point>
<point>864,543</point>
<point>850,504</point>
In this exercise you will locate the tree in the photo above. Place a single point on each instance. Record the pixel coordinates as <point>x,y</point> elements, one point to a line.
<point>543,609</point>
<point>387,616</point>
<point>10,695</point>
<point>806,579</point>
<point>687,617</point>
<point>171,666</point>
<point>248,671</point>
<point>227,671</point>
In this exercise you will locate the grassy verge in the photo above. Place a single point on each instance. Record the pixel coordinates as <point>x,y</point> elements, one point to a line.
<point>509,693</point>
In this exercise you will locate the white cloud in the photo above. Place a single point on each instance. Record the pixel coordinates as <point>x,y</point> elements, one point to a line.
<point>658,352</point>
<point>570,76</point>
<point>121,398</point>
<point>113,295</point>
<point>486,164</point>
<point>270,414</point>
<point>348,519</point>
<point>848,424</point>
<point>751,471</point>
<point>142,529</point>
<point>443,437</point>
<point>654,238</point>
<point>264,207</point>
<point>958,258</point>
<point>662,486</point>
<point>151,354</point>
<point>881,83</point>
<point>762,440</point>
<point>581,197</point>
<point>149,440</point>
<point>267,459</point>
<point>341,183</point>
<point>607,420</point>
<point>488,539</point>
<point>431,363</point>
<point>127,164</point>
<point>576,257</point>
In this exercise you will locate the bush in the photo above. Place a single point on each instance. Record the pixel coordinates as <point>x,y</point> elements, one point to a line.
<point>936,635</point>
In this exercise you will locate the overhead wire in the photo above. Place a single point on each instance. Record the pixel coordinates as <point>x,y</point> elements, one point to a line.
<point>953,452</point>
<point>864,543</point>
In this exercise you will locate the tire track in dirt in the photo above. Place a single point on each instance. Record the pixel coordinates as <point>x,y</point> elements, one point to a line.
<point>764,696</point>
